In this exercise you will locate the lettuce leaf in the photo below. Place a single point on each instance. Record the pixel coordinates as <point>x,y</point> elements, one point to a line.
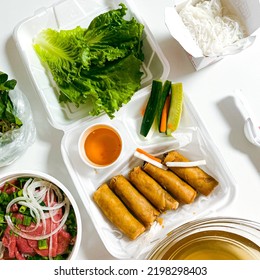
<point>100,63</point>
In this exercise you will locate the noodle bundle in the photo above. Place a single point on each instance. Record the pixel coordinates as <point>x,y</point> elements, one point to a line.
<point>211,27</point>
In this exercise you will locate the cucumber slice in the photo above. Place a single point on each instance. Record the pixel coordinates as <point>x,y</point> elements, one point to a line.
<point>165,91</point>
<point>175,109</point>
<point>151,108</point>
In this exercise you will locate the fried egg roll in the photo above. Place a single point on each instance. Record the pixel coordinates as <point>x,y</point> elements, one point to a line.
<point>114,209</point>
<point>162,200</point>
<point>194,176</point>
<point>179,189</point>
<point>142,209</point>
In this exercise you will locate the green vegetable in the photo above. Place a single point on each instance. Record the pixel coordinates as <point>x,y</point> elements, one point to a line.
<point>20,182</point>
<point>151,108</point>
<point>42,244</point>
<point>5,198</point>
<point>20,193</point>
<point>99,64</point>
<point>175,110</point>
<point>22,209</point>
<point>13,219</point>
<point>27,220</point>
<point>60,257</point>
<point>37,257</point>
<point>71,223</point>
<point>17,221</point>
<point>3,224</point>
<point>8,119</point>
<point>2,219</point>
<point>165,91</point>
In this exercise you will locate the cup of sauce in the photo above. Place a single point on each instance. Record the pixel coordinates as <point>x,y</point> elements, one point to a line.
<point>100,145</point>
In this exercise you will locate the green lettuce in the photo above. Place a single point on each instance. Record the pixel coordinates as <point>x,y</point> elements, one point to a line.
<point>100,63</point>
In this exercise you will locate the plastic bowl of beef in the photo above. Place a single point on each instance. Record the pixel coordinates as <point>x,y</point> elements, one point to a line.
<point>39,218</point>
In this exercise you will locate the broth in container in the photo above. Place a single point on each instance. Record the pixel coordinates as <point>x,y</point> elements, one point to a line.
<point>100,145</point>
<point>219,239</point>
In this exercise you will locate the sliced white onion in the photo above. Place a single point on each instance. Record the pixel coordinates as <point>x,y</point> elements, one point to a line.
<point>34,192</point>
<point>148,159</point>
<point>186,163</point>
<point>44,236</point>
<point>27,183</point>
<point>12,202</point>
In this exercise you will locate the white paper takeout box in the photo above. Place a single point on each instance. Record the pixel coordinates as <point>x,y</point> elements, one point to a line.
<point>73,121</point>
<point>248,13</point>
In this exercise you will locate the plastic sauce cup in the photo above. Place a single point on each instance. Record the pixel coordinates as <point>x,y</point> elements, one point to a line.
<point>100,145</point>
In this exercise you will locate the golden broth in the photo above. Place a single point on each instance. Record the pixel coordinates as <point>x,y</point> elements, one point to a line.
<point>103,146</point>
<point>210,245</point>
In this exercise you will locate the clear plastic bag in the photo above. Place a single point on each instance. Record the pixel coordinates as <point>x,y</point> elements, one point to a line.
<point>14,143</point>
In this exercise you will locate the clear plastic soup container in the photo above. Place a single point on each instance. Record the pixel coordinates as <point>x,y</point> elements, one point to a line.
<point>220,238</point>
<point>192,138</point>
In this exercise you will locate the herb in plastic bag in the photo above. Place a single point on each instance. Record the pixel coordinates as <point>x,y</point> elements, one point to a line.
<point>8,119</point>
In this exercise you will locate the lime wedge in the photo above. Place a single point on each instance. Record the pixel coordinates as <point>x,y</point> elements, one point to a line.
<point>175,110</point>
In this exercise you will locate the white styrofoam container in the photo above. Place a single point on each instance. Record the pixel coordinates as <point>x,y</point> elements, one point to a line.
<point>247,11</point>
<point>68,14</point>
<point>199,146</point>
<point>193,139</point>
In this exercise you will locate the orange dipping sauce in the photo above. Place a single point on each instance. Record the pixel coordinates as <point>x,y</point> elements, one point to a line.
<point>103,146</point>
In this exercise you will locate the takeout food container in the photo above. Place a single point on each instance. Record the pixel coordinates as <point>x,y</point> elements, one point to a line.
<point>248,12</point>
<point>10,176</point>
<point>68,14</point>
<point>192,138</point>
<point>219,238</point>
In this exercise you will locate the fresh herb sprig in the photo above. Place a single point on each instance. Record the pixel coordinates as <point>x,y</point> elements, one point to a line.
<point>8,120</point>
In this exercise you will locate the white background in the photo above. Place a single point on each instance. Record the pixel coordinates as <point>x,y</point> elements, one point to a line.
<point>209,90</point>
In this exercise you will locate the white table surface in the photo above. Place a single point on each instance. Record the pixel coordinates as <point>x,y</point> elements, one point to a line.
<point>209,90</point>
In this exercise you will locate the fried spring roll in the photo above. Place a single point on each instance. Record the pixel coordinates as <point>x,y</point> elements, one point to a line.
<point>134,200</point>
<point>194,176</point>
<point>162,200</point>
<point>179,189</point>
<point>114,209</point>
